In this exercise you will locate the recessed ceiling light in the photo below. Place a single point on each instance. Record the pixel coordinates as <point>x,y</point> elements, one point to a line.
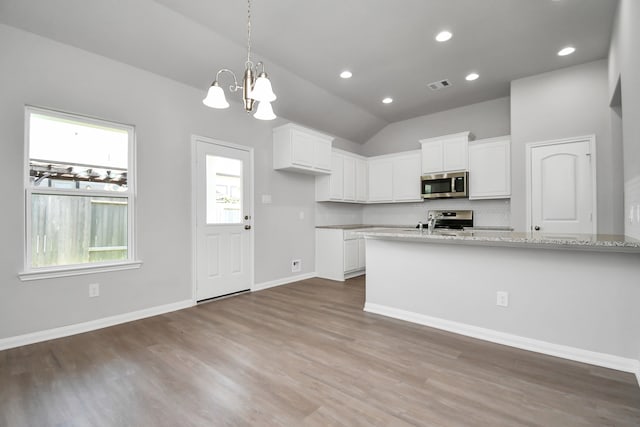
<point>387,100</point>
<point>567,51</point>
<point>471,77</point>
<point>346,74</point>
<point>443,36</point>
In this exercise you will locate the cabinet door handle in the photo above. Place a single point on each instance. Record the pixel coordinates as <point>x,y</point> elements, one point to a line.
<point>247,227</point>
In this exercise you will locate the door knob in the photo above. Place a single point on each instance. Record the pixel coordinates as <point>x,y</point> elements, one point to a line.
<point>247,227</point>
<point>537,228</point>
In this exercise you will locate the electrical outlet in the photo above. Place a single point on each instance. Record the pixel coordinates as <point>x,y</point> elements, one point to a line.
<point>94,290</point>
<point>502,299</point>
<point>296,265</point>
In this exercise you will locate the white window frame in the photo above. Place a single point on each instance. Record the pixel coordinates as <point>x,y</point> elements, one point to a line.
<point>31,273</point>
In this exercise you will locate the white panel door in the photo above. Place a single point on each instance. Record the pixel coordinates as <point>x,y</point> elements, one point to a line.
<point>562,188</point>
<point>224,263</point>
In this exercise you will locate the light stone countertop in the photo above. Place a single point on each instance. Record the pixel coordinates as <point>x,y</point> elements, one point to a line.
<point>361,226</point>
<point>584,242</point>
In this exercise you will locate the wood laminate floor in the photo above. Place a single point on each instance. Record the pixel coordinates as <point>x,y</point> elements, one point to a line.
<point>303,354</point>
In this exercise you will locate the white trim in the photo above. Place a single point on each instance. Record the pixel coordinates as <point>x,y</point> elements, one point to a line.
<point>572,353</point>
<point>194,208</point>
<point>285,280</point>
<point>130,194</point>
<point>78,270</point>
<point>92,325</point>
<point>594,187</point>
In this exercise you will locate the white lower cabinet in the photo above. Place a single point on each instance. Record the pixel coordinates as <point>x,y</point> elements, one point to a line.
<point>339,254</point>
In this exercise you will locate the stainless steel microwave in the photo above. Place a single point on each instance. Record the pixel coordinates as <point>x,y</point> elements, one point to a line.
<point>445,185</point>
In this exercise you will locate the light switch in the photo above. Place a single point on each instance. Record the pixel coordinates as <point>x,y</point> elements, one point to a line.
<point>266,199</point>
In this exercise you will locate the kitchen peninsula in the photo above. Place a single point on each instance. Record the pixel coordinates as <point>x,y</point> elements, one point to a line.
<point>572,296</point>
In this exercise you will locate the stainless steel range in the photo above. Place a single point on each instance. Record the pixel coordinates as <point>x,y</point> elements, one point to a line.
<point>455,220</point>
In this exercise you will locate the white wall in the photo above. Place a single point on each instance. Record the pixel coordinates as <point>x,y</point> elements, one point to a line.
<point>560,104</point>
<point>624,63</point>
<point>580,299</point>
<point>484,120</point>
<point>41,72</point>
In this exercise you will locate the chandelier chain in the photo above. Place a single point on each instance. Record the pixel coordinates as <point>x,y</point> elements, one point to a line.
<point>248,31</point>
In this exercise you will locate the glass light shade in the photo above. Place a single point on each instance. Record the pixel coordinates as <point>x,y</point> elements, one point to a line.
<point>215,97</point>
<point>264,111</point>
<point>262,90</point>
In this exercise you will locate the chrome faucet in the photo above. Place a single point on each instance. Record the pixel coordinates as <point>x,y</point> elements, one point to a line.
<point>433,219</point>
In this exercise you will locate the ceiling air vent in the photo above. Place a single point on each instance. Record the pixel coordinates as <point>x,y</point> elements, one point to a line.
<point>440,84</point>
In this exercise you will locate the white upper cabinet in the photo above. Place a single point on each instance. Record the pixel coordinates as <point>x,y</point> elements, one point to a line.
<point>349,187</point>
<point>362,180</point>
<point>406,178</point>
<point>445,153</point>
<point>395,178</point>
<point>490,168</point>
<point>336,179</point>
<point>381,179</point>
<point>300,149</point>
<point>344,183</point>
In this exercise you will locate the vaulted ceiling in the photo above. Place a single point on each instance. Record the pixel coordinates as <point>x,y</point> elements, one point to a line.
<point>388,45</point>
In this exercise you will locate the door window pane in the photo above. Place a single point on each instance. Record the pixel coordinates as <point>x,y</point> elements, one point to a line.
<point>224,195</point>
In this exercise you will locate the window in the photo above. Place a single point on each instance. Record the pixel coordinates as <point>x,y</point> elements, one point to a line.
<point>79,191</point>
<point>224,177</point>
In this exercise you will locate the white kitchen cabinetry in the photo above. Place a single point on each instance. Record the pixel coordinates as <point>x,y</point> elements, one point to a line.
<point>340,254</point>
<point>406,178</point>
<point>490,168</point>
<point>344,184</point>
<point>299,149</point>
<point>349,187</point>
<point>395,178</point>
<point>336,179</point>
<point>445,153</point>
<point>362,180</point>
<point>380,179</point>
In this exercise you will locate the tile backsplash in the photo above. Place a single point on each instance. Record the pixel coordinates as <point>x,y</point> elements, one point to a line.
<point>485,212</point>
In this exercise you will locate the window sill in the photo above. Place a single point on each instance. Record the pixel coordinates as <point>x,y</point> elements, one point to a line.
<point>78,270</point>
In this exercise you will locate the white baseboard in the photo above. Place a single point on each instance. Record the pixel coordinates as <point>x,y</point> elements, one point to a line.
<point>92,325</point>
<point>557,350</point>
<point>283,281</point>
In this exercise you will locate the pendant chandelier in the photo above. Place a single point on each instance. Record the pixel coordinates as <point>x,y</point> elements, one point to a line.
<point>253,89</point>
